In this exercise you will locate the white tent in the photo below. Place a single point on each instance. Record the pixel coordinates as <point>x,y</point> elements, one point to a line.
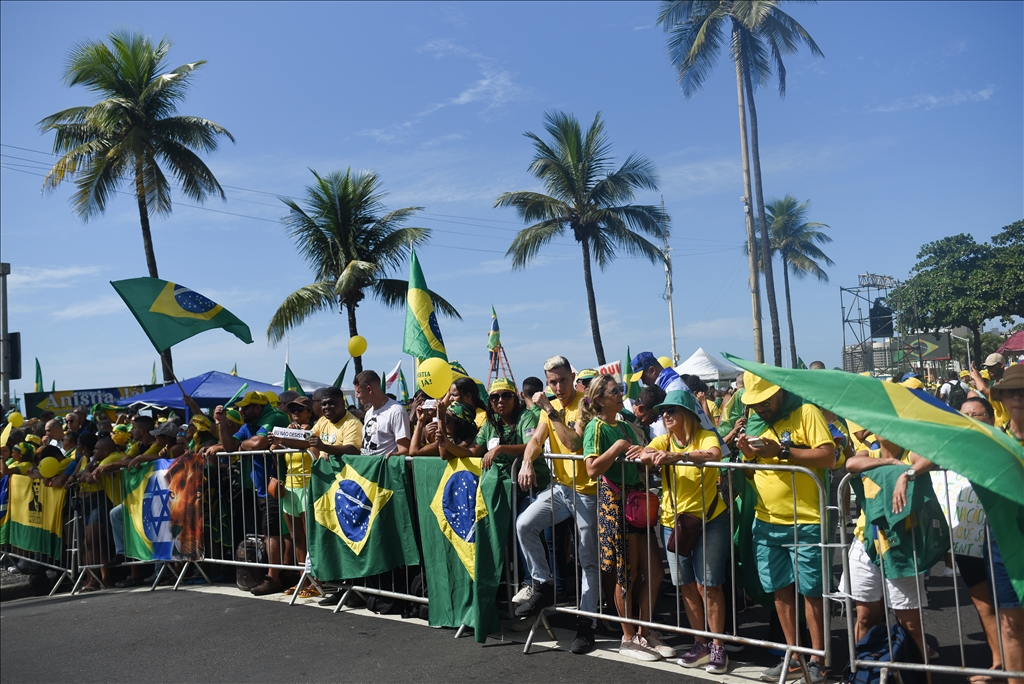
<point>708,367</point>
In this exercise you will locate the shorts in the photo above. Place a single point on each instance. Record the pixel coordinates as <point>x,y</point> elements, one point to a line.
<point>705,566</point>
<point>95,507</point>
<point>972,570</point>
<point>1002,590</point>
<point>293,501</point>
<point>773,547</point>
<point>866,583</point>
<point>268,516</point>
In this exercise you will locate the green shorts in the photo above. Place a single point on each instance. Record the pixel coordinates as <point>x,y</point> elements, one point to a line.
<point>293,501</point>
<point>773,546</point>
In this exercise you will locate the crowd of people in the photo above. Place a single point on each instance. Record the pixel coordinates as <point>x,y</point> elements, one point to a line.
<point>630,482</point>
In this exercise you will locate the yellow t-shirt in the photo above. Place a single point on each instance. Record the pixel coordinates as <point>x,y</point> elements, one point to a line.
<point>565,470</point>
<point>806,428</point>
<point>681,484</point>
<point>713,412</point>
<point>480,418</point>
<point>1002,415</point>
<point>858,530</point>
<point>347,431</point>
<point>109,483</point>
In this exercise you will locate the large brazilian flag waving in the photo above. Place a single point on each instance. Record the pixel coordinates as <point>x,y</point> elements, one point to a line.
<point>170,313</point>
<point>422,334</point>
<point>464,523</point>
<point>163,509</point>
<point>915,420</point>
<point>363,520</point>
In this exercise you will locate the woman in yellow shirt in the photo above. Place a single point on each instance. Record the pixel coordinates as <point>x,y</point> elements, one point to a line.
<point>694,523</point>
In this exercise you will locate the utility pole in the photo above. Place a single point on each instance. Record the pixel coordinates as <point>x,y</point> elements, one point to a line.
<point>5,340</point>
<point>668,289</point>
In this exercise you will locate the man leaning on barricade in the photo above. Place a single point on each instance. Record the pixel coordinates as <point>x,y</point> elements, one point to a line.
<point>782,429</point>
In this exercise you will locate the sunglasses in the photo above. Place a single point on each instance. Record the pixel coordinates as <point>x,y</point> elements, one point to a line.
<point>669,411</point>
<point>614,392</point>
<point>585,381</point>
<point>502,396</point>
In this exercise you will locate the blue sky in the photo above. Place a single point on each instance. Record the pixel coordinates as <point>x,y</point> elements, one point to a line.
<point>909,130</point>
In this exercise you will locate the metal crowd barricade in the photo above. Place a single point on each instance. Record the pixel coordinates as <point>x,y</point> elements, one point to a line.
<point>60,560</point>
<point>797,649</point>
<point>927,667</point>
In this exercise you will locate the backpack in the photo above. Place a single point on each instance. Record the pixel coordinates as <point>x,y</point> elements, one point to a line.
<point>252,549</point>
<point>956,396</point>
<point>875,646</point>
<point>417,587</point>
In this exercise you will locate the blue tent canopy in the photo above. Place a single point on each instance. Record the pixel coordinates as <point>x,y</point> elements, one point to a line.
<point>208,390</point>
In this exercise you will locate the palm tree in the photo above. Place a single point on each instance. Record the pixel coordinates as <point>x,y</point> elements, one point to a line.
<point>587,197</point>
<point>130,133</point>
<point>351,244</point>
<point>761,33</point>
<point>795,240</point>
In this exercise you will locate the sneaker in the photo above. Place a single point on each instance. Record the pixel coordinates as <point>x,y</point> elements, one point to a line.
<point>332,599</point>
<point>773,673</point>
<point>584,641</point>
<point>718,662</point>
<point>816,674</point>
<point>697,656</point>
<point>115,561</point>
<point>655,641</point>
<point>637,648</point>
<point>543,596</point>
<point>268,586</point>
<point>524,594</point>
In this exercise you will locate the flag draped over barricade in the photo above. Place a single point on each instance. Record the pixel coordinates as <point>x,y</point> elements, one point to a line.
<point>163,509</point>
<point>359,517</point>
<point>464,517</point>
<point>991,460</point>
<point>30,515</point>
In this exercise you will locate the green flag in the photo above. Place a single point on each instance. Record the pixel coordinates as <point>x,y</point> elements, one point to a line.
<point>422,334</point>
<point>234,370</point>
<point>341,376</point>
<point>170,313</point>
<point>152,375</point>
<point>992,460</point>
<point>403,387</point>
<point>53,385</point>
<point>39,377</point>
<point>291,382</point>
<point>800,363</point>
<point>464,526</point>
<point>494,336</point>
<point>632,388</point>
<point>359,517</point>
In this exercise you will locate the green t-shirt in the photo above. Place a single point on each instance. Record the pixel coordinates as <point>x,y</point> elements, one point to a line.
<point>598,437</point>
<point>520,433</point>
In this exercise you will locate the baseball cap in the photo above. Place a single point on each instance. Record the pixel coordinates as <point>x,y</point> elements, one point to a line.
<point>907,376</point>
<point>166,429</point>
<point>994,360</point>
<point>253,397</point>
<point>912,382</point>
<point>586,374</point>
<point>640,363</point>
<point>758,389</point>
<point>965,374</point>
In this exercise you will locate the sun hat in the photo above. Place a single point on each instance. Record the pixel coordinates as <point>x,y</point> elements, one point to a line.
<point>1013,379</point>
<point>758,389</point>
<point>302,402</point>
<point>680,398</point>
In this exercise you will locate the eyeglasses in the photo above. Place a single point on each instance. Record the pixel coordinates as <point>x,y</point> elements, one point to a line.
<point>502,396</point>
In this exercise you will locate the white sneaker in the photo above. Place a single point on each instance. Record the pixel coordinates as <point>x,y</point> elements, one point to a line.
<point>523,594</point>
<point>637,648</point>
<point>655,641</point>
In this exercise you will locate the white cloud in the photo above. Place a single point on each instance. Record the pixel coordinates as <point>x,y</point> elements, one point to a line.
<point>389,134</point>
<point>929,101</point>
<point>37,278</point>
<point>494,89</point>
<point>100,306</point>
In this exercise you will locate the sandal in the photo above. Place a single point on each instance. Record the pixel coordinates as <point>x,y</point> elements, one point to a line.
<point>981,679</point>
<point>89,588</point>
<point>290,590</point>
<point>310,592</point>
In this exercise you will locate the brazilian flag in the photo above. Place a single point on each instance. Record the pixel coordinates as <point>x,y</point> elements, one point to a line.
<point>915,420</point>
<point>422,334</point>
<point>170,313</point>
<point>291,382</point>
<point>363,520</point>
<point>464,523</point>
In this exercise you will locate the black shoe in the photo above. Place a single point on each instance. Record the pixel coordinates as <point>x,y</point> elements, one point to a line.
<point>584,641</point>
<point>332,600</point>
<point>543,596</point>
<point>115,561</point>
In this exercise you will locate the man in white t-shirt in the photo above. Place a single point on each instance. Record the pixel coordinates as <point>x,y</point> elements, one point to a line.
<point>386,422</point>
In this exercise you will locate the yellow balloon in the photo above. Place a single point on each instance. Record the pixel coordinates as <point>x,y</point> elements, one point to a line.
<point>15,419</point>
<point>49,467</point>
<point>665,361</point>
<point>357,345</point>
<point>434,376</point>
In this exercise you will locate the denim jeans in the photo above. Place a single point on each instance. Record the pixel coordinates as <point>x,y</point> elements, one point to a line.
<point>117,528</point>
<point>553,505</point>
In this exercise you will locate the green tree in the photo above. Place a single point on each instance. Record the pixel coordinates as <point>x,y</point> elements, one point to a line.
<point>795,240</point>
<point>588,198</point>
<point>1008,272</point>
<point>351,244</point>
<point>761,34</point>
<point>132,134</point>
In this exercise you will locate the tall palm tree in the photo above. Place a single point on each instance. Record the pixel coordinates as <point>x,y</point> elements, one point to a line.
<point>795,240</point>
<point>130,133</point>
<point>587,197</point>
<point>761,34</point>
<point>351,244</point>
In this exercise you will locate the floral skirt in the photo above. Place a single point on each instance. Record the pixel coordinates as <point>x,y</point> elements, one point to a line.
<point>612,529</point>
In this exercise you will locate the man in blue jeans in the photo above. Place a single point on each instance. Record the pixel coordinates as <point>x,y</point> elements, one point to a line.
<point>571,494</point>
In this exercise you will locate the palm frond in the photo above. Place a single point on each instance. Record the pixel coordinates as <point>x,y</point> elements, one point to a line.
<point>298,306</point>
<point>529,241</point>
<point>392,292</point>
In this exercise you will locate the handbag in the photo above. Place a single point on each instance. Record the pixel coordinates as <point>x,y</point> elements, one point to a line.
<point>686,530</point>
<point>641,508</point>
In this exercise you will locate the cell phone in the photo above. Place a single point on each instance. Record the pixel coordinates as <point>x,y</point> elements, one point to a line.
<point>430,403</point>
<point>755,442</point>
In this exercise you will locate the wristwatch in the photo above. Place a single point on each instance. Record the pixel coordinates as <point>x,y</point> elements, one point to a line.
<point>784,452</point>
<point>910,473</point>
<point>553,414</point>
